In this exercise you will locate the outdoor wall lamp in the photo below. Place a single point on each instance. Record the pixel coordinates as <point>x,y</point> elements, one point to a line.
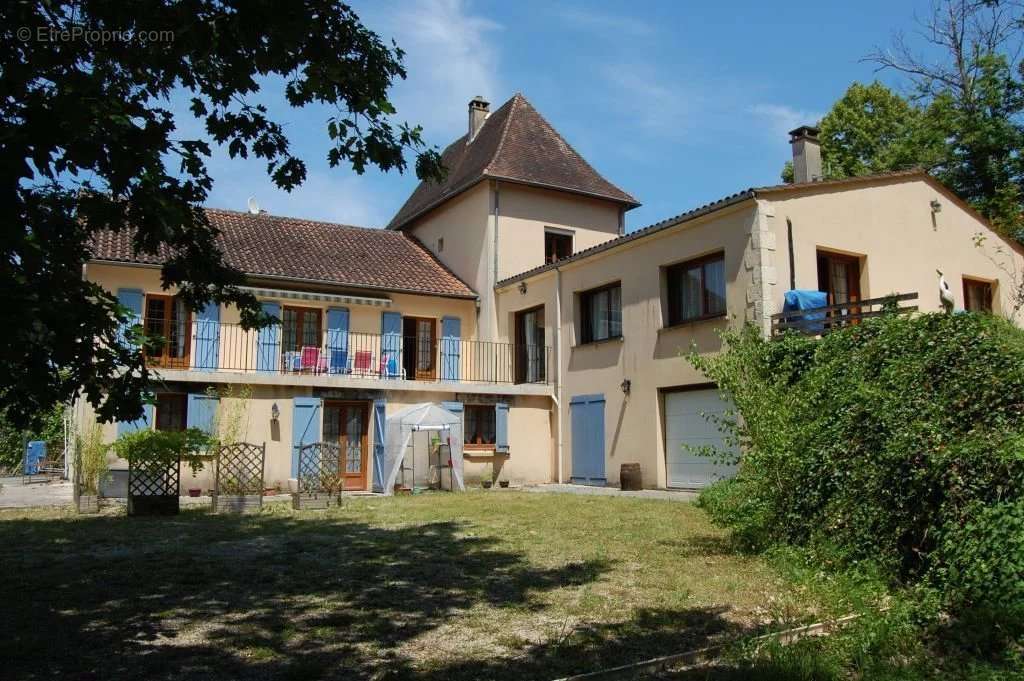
<point>626,385</point>
<point>936,206</point>
<point>275,412</point>
<point>522,287</point>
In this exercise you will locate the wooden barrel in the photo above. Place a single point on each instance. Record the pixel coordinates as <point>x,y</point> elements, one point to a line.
<point>629,477</point>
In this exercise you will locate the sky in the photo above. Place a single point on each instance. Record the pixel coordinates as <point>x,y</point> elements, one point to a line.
<point>678,103</point>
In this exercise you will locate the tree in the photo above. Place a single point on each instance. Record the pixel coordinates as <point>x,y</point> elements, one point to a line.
<point>88,143</point>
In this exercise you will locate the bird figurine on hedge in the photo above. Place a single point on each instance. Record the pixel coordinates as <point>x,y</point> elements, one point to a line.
<point>945,294</point>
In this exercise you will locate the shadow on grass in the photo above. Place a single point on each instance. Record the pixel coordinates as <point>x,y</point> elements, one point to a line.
<point>291,597</point>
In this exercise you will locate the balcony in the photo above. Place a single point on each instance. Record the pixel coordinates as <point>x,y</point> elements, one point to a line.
<point>191,345</point>
<point>820,320</point>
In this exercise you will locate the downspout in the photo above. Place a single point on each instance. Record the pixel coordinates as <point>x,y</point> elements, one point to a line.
<point>497,217</point>
<point>792,256</point>
<point>558,369</point>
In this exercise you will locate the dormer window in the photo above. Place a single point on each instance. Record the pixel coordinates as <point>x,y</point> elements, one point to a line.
<point>557,245</point>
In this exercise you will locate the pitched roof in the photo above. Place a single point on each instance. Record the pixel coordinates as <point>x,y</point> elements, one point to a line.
<point>291,248</point>
<point>738,197</point>
<point>515,143</point>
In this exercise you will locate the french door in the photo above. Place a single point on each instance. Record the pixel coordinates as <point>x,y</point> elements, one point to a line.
<point>168,326</point>
<point>839,277</point>
<point>529,349</point>
<point>346,424</point>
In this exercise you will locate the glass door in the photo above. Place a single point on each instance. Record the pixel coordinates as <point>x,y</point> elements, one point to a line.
<point>346,424</point>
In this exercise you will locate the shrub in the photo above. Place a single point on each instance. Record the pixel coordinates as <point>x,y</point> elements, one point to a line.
<point>146,446</point>
<point>92,459</point>
<point>874,442</point>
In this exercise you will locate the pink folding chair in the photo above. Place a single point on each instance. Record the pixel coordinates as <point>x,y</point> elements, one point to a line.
<point>310,359</point>
<point>363,362</point>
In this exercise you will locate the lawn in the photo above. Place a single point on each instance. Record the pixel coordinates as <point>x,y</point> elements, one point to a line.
<point>472,586</point>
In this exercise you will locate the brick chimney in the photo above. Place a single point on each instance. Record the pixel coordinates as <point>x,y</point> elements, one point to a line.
<point>806,154</point>
<point>478,110</point>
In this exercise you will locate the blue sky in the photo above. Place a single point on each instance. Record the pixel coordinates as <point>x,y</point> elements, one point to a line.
<point>678,103</point>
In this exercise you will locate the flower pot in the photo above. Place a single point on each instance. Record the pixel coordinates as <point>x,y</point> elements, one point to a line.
<point>503,484</point>
<point>487,484</point>
<point>194,492</point>
<point>237,503</point>
<point>88,503</point>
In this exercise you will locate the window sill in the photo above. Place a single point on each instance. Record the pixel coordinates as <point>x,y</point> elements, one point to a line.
<point>477,449</point>
<point>693,322</point>
<point>603,341</point>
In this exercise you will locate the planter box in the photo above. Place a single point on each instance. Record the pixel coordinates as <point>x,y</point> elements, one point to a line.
<point>318,501</point>
<point>237,503</point>
<point>153,505</point>
<point>88,503</point>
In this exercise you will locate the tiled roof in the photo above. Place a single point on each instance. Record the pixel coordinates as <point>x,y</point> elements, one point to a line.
<point>751,193</point>
<point>291,248</point>
<point>517,144</point>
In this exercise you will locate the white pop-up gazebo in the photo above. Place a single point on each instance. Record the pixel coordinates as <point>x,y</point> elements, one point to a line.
<point>411,428</point>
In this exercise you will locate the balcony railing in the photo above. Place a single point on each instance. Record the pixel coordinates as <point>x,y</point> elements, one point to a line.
<point>820,320</point>
<point>211,346</point>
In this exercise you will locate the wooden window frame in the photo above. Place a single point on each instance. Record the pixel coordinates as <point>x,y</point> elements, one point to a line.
<point>485,446</point>
<point>585,321</point>
<point>853,279</point>
<point>300,324</point>
<point>970,282</point>
<point>675,304</point>
<point>182,398</point>
<point>164,359</point>
<point>552,238</point>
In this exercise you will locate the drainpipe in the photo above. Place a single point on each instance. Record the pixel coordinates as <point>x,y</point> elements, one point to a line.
<point>558,369</point>
<point>494,270</point>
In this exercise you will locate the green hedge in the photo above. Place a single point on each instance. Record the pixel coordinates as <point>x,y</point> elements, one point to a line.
<point>897,441</point>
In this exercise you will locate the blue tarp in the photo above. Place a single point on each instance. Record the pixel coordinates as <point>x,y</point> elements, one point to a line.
<point>798,300</point>
<point>35,452</point>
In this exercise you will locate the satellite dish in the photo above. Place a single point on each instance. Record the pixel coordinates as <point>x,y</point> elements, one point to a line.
<point>254,207</point>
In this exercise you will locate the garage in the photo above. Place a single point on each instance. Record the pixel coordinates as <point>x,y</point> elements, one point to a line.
<point>685,424</point>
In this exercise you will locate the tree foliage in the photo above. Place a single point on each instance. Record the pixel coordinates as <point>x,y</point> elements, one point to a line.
<point>88,142</point>
<point>882,442</point>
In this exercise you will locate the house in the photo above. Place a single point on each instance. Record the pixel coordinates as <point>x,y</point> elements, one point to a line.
<point>512,295</point>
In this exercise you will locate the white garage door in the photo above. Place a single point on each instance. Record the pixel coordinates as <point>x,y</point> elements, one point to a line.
<point>685,424</point>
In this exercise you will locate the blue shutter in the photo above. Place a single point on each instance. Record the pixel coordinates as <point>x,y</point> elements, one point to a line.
<point>451,329</point>
<point>268,344</point>
<point>378,444</point>
<point>208,338</point>
<point>144,421</point>
<point>390,343</point>
<point>305,426</point>
<point>202,409</point>
<point>587,422</point>
<point>337,340</point>
<point>501,428</point>
<point>130,298</point>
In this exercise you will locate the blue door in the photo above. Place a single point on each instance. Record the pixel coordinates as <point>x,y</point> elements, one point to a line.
<point>451,329</point>
<point>268,341</point>
<point>587,416</point>
<point>390,344</point>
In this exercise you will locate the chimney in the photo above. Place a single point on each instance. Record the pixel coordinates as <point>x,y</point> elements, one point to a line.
<point>806,154</point>
<point>478,110</point>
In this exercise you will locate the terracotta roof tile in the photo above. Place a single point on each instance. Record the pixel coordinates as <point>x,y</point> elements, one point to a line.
<point>515,143</point>
<point>281,247</point>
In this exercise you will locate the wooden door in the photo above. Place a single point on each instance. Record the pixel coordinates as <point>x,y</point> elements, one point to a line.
<point>168,328</point>
<point>839,277</point>
<point>346,423</point>
<point>419,348</point>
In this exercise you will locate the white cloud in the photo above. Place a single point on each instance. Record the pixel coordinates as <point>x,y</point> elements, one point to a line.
<point>450,58</point>
<point>599,22</point>
<point>779,119</point>
<point>655,104</point>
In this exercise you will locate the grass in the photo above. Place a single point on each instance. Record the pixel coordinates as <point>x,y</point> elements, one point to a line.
<point>441,586</point>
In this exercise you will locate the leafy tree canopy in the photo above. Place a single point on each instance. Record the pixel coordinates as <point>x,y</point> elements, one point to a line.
<point>88,143</point>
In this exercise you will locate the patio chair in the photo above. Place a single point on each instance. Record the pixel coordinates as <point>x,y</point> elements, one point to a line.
<point>363,364</point>
<point>310,359</point>
<point>339,362</point>
<point>389,365</point>
<point>292,360</point>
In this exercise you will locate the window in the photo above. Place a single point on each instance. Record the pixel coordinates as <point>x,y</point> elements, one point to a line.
<point>601,313</point>
<point>440,244</point>
<point>556,246</point>
<point>696,289</point>
<point>301,328</point>
<point>171,412</point>
<point>977,295</point>
<point>839,277</point>
<point>480,426</point>
<point>168,326</point>
<point>531,355</point>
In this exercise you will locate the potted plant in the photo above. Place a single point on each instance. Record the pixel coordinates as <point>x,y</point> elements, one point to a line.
<point>503,483</point>
<point>329,489</point>
<point>154,457</point>
<point>92,468</point>
<point>195,492</point>
<point>487,479</point>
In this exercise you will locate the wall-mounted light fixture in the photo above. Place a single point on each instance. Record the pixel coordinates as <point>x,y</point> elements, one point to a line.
<point>936,206</point>
<point>522,287</point>
<point>626,386</point>
<point>275,412</point>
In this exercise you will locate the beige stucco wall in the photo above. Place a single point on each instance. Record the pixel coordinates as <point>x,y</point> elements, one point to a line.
<point>900,241</point>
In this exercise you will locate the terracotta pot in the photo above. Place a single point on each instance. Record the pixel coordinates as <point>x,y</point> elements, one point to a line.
<point>194,492</point>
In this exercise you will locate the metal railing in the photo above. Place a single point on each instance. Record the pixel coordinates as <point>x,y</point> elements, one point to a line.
<point>820,320</point>
<point>212,346</point>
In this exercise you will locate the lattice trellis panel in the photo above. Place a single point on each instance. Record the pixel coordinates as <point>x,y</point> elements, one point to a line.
<point>321,467</point>
<point>154,478</point>
<point>240,468</point>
